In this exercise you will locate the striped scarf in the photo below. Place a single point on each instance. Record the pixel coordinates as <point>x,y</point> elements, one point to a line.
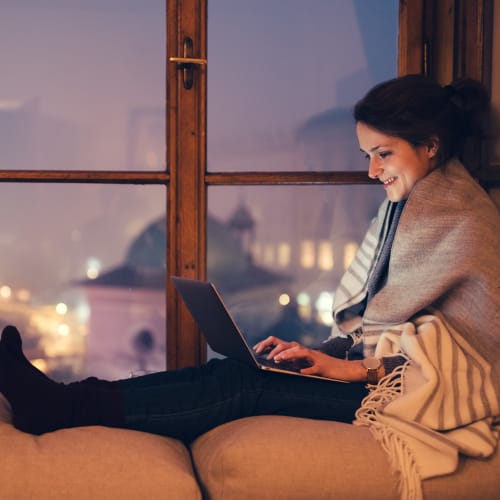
<point>364,277</point>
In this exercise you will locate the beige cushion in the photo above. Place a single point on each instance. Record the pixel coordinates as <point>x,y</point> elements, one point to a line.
<point>473,479</point>
<point>291,458</point>
<point>92,463</point>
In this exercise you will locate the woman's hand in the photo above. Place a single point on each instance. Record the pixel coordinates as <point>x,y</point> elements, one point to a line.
<point>272,346</point>
<point>320,363</point>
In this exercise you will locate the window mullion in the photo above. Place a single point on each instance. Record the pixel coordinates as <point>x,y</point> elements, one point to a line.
<point>186,119</point>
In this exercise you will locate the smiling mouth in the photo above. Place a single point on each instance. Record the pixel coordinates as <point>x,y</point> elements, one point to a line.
<point>389,181</point>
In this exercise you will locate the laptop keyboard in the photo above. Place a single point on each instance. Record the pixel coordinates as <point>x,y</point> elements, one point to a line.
<point>293,366</point>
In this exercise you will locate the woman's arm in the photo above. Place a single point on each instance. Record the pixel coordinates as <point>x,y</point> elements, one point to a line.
<point>320,363</point>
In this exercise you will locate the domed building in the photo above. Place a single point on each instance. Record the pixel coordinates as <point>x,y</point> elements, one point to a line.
<point>127,303</point>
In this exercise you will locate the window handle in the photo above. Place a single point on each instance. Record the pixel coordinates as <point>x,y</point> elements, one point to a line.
<point>186,63</point>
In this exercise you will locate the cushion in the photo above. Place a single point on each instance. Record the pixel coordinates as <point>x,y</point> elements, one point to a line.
<point>92,462</point>
<point>474,478</point>
<point>272,457</point>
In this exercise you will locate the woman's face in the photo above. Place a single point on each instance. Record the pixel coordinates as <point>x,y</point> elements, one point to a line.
<point>394,161</point>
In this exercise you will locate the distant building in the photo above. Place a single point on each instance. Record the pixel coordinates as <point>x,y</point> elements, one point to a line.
<point>127,303</point>
<point>28,138</point>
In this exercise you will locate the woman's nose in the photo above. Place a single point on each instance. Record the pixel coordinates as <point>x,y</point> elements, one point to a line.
<point>374,169</point>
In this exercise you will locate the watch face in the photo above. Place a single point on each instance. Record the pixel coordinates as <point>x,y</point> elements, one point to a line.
<point>371,363</point>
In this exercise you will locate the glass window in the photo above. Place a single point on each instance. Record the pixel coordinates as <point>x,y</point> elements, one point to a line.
<point>277,253</point>
<point>83,84</point>
<point>284,76</point>
<point>281,87</point>
<point>83,276</point>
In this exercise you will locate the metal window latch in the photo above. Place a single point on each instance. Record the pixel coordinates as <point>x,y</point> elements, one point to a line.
<point>187,62</point>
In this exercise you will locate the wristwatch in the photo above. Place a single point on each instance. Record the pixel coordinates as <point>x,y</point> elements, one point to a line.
<point>372,365</point>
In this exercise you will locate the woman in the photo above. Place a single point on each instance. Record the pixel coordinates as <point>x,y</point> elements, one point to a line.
<point>420,304</point>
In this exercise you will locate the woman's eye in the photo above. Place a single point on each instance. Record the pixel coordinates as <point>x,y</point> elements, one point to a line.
<point>367,156</point>
<point>384,154</point>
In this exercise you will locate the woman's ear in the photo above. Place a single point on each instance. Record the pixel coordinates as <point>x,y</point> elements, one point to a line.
<point>433,147</point>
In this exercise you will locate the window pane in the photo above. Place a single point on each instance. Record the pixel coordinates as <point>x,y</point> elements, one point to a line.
<point>284,75</point>
<point>83,84</point>
<point>83,276</point>
<point>277,253</point>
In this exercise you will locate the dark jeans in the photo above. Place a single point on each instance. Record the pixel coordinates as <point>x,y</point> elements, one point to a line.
<point>186,403</point>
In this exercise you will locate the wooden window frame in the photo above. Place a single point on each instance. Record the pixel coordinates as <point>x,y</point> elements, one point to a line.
<point>455,39</point>
<point>461,49</point>
<point>428,43</point>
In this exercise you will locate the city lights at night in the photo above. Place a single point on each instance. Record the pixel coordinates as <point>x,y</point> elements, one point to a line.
<point>83,265</point>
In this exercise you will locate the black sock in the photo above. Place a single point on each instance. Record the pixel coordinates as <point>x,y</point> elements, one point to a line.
<point>12,343</point>
<point>29,392</point>
<point>41,405</point>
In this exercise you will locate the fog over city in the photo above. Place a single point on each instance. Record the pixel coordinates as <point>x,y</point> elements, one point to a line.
<point>83,88</point>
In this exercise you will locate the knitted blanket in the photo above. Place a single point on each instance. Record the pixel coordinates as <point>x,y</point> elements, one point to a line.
<point>440,307</point>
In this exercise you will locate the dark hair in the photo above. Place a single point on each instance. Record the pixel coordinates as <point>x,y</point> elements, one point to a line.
<point>416,109</point>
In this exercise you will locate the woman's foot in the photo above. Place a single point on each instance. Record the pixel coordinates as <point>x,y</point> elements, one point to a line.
<point>41,405</point>
<point>29,391</point>
<point>12,343</point>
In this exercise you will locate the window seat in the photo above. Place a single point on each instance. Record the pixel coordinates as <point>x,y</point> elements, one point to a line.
<point>266,457</point>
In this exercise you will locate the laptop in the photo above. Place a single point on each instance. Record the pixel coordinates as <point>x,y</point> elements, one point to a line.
<point>223,335</point>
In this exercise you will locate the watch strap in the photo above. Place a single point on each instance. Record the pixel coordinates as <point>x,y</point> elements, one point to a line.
<point>372,366</point>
